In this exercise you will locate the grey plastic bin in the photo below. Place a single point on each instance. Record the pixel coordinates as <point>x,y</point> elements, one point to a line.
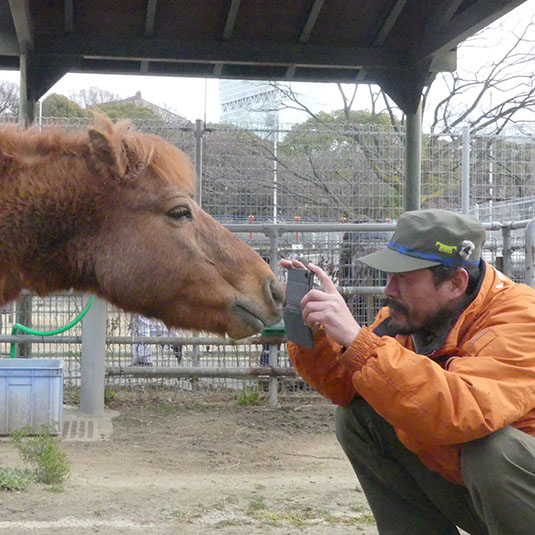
<point>31,394</point>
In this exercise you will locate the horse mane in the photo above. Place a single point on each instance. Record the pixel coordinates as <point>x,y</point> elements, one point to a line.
<point>137,150</point>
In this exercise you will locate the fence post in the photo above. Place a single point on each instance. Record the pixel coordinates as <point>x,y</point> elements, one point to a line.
<point>93,366</point>
<point>530,253</point>
<point>273,380</point>
<point>506,251</point>
<point>274,251</point>
<point>24,317</point>
<point>465,169</point>
<point>413,160</point>
<point>274,349</point>
<point>198,159</point>
<point>196,352</point>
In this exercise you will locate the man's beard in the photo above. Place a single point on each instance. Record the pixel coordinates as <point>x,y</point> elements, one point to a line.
<point>444,316</point>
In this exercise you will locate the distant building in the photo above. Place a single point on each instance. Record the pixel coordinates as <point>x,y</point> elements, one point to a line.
<point>166,115</point>
<point>249,102</point>
<point>268,104</point>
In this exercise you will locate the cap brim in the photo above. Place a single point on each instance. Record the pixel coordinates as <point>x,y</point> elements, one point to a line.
<point>394,262</point>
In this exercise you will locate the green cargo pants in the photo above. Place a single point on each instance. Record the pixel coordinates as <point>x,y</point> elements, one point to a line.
<point>407,498</point>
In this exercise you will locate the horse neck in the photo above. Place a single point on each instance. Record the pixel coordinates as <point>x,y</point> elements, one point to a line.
<point>43,201</point>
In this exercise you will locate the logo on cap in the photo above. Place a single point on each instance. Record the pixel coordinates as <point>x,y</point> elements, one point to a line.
<point>446,249</point>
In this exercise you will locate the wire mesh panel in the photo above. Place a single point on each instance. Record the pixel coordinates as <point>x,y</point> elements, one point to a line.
<point>341,171</point>
<point>324,173</point>
<point>441,172</point>
<point>503,177</point>
<point>46,314</point>
<point>300,174</point>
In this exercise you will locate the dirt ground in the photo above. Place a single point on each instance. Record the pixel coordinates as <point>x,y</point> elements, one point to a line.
<point>190,464</point>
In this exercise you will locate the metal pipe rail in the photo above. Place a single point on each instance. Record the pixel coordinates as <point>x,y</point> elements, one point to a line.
<point>281,228</point>
<point>195,371</point>
<point>162,340</point>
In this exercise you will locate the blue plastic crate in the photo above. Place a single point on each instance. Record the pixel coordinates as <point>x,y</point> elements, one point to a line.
<point>31,394</point>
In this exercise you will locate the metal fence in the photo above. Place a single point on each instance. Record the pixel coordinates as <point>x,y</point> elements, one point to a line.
<point>342,172</point>
<point>333,246</point>
<point>270,187</point>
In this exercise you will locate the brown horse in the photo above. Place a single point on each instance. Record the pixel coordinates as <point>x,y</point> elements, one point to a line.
<point>110,211</point>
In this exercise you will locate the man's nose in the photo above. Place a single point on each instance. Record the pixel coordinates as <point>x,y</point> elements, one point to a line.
<point>391,288</point>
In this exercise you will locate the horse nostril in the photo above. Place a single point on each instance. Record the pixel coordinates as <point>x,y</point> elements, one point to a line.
<point>275,291</point>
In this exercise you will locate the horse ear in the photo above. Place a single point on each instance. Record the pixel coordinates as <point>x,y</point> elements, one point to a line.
<point>108,152</point>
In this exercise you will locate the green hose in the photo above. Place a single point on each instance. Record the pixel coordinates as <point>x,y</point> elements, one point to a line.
<point>19,327</point>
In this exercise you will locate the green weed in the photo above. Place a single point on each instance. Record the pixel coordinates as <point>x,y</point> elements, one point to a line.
<point>249,397</point>
<point>14,479</point>
<point>49,464</point>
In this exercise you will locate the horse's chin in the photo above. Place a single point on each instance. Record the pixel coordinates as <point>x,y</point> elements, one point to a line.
<point>246,321</point>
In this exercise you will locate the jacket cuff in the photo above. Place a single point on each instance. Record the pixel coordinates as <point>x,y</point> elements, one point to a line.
<point>357,354</point>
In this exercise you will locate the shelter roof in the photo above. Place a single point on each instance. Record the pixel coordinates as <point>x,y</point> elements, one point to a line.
<point>399,44</point>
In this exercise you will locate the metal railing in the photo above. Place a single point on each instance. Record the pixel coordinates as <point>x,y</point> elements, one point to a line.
<point>262,358</point>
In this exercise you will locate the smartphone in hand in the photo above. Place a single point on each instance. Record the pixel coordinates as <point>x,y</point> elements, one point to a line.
<point>300,282</point>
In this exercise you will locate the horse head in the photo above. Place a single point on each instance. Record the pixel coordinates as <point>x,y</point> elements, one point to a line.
<point>112,211</point>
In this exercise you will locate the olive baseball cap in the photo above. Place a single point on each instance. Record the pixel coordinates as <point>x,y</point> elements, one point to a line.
<point>427,238</point>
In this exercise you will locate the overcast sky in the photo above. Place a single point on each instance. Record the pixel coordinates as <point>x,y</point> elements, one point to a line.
<point>196,98</point>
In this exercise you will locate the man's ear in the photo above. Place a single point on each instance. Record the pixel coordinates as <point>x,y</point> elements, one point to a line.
<point>108,152</point>
<point>459,283</point>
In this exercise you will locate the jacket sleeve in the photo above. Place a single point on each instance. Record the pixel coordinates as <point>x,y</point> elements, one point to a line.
<point>321,368</point>
<point>488,384</point>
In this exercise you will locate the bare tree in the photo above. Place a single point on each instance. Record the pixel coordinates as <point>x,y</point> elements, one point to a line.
<point>490,97</point>
<point>92,96</point>
<point>9,98</point>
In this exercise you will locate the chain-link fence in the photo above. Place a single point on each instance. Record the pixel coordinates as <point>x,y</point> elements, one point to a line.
<point>298,175</point>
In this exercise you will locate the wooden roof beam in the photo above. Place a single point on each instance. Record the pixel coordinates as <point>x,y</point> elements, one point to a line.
<point>150,17</point>
<point>304,36</point>
<point>230,22</point>
<point>479,15</point>
<point>223,52</point>
<point>20,11</point>
<point>68,16</point>
<point>386,27</point>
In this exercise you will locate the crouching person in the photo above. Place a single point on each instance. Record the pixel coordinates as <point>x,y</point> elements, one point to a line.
<point>437,397</point>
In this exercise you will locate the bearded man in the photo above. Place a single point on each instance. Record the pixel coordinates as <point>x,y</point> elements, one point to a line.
<point>437,397</point>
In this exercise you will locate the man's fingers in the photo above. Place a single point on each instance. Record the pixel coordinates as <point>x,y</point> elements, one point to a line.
<point>326,282</point>
<point>288,264</point>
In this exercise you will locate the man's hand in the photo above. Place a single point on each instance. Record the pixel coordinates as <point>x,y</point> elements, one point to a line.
<point>326,308</point>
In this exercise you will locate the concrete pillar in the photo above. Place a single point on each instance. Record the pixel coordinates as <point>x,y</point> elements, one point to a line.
<point>27,99</point>
<point>93,365</point>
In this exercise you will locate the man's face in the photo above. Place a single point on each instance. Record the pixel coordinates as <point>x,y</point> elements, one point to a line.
<point>416,303</point>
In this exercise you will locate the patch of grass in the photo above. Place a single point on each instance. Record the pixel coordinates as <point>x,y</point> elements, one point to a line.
<point>109,395</point>
<point>166,407</point>
<point>301,517</point>
<point>230,523</point>
<point>15,479</point>
<point>255,505</point>
<point>49,464</point>
<point>295,519</point>
<point>368,519</point>
<point>249,397</point>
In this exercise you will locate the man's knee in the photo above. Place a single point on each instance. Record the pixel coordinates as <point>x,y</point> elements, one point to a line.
<point>488,460</point>
<point>359,426</point>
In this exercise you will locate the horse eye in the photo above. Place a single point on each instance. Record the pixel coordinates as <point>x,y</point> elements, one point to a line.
<point>179,212</point>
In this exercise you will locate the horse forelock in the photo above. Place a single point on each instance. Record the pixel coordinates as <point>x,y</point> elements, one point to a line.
<point>171,164</point>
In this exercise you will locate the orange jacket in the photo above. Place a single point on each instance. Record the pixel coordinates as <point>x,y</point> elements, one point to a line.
<point>482,379</point>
